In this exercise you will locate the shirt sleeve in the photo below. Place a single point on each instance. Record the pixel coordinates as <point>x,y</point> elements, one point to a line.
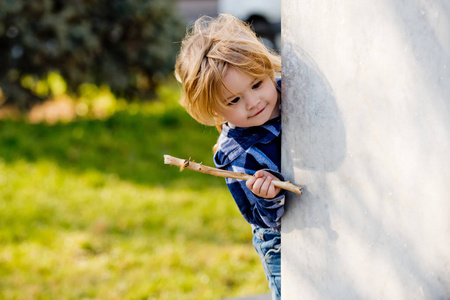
<point>256,210</point>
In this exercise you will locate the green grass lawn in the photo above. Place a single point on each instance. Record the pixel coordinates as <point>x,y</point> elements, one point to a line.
<point>88,210</point>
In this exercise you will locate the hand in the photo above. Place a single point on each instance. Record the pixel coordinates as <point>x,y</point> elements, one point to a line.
<point>262,186</point>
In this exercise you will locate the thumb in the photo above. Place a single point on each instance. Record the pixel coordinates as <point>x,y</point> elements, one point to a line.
<point>259,174</point>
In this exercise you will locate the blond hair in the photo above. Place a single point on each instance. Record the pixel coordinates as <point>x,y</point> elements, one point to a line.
<point>210,48</point>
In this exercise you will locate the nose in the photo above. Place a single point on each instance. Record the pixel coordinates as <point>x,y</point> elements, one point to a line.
<point>252,101</point>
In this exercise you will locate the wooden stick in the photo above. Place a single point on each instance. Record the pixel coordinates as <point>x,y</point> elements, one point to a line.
<point>187,164</point>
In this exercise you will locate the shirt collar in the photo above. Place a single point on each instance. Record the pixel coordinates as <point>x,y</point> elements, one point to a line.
<point>234,141</point>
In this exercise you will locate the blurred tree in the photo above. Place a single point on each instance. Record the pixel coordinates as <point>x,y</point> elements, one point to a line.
<point>127,44</point>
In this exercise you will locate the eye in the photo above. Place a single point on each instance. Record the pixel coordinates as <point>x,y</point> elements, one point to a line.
<point>257,85</point>
<point>234,101</point>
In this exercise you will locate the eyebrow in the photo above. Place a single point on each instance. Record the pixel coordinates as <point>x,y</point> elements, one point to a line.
<point>232,96</point>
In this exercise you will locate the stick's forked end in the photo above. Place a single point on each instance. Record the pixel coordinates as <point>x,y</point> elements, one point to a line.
<point>166,159</point>
<point>170,160</point>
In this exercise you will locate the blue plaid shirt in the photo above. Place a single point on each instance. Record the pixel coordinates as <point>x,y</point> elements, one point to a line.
<point>248,150</point>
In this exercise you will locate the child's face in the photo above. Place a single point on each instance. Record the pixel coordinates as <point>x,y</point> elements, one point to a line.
<point>253,101</point>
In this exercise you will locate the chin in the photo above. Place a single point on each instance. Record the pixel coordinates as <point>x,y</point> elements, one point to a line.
<point>260,122</point>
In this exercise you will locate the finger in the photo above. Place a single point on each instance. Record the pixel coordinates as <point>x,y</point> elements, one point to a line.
<point>265,186</point>
<point>257,186</point>
<point>271,191</point>
<point>259,174</point>
<point>250,182</point>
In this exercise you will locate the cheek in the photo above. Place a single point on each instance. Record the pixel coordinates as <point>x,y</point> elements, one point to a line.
<point>235,114</point>
<point>228,113</point>
<point>272,95</point>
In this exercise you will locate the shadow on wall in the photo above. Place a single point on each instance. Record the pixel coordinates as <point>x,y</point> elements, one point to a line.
<point>317,121</point>
<point>314,136</point>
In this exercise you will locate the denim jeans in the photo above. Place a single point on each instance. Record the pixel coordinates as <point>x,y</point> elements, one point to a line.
<point>267,243</point>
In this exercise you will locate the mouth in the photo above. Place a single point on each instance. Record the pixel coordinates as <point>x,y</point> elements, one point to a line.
<point>260,111</point>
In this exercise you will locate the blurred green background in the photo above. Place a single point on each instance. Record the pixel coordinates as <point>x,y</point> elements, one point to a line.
<point>88,210</point>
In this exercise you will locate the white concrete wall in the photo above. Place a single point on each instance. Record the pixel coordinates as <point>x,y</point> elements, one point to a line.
<point>366,130</point>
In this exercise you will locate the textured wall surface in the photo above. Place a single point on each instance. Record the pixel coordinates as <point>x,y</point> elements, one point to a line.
<point>366,130</point>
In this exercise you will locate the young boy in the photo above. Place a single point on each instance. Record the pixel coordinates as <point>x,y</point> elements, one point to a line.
<point>228,79</point>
